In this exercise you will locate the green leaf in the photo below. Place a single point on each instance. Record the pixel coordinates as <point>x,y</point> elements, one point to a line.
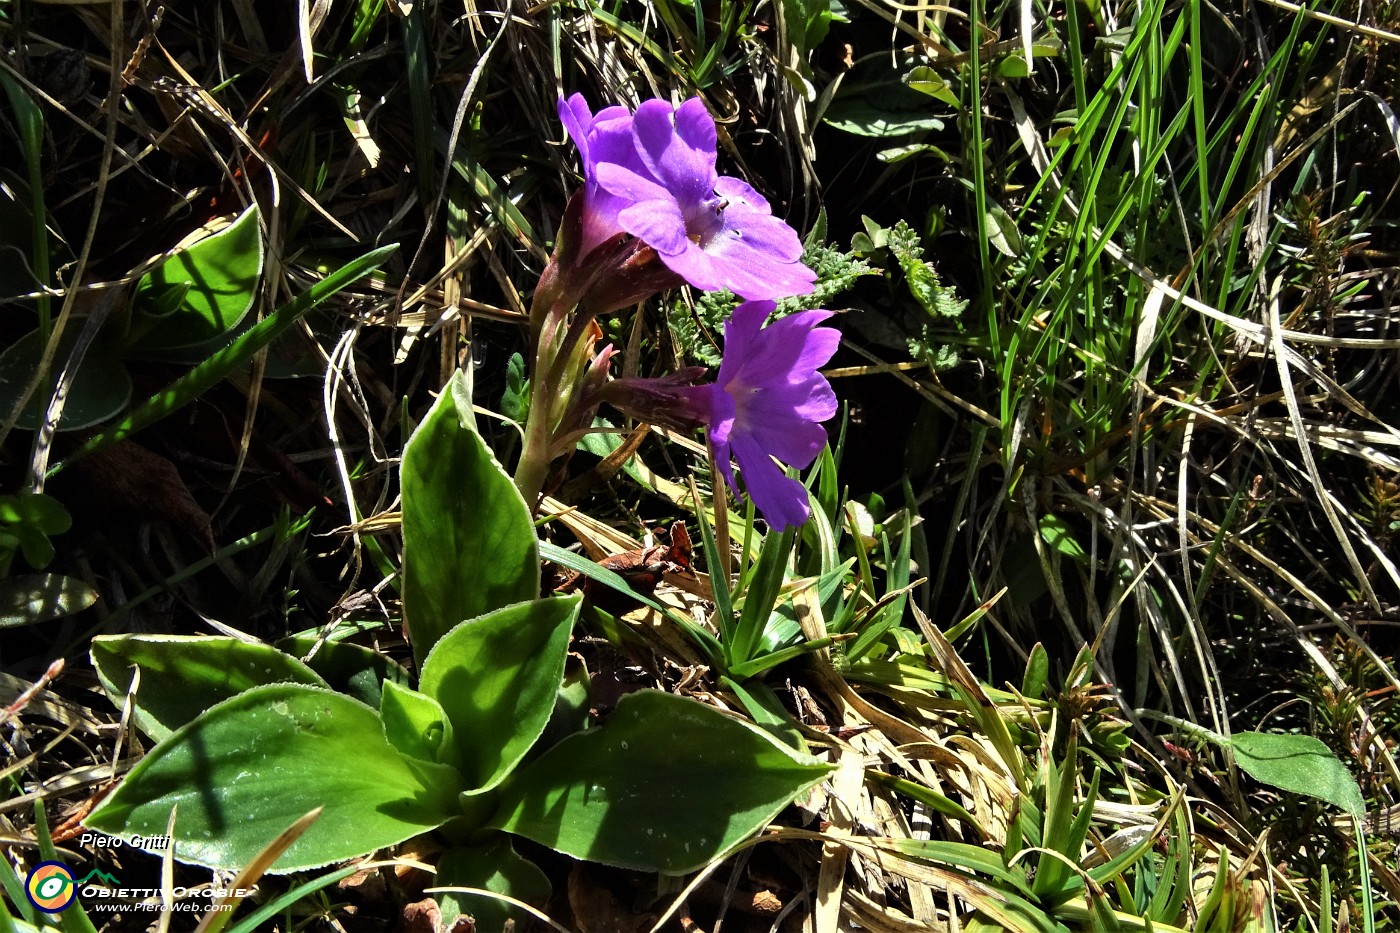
<point>183,675</point>
<point>925,80</point>
<point>1300,764</point>
<point>100,389</point>
<point>900,153</point>
<point>603,444</point>
<point>36,547</point>
<point>760,597</point>
<point>241,771</point>
<point>415,723</point>
<point>17,232</point>
<point>497,676</point>
<point>1012,66</point>
<point>807,22</point>
<point>347,667</point>
<point>201,291</point>
<point>570,560</point>
<point>494,867</point>
<point>42,513</point>
<point>469,544</point>
<point>863,117</point>
<point>1001,228</point>
<point>1057,533</point>
<point>572,702</point>
<point>42,597</point>
<point>1037,673</point>
<point>666,784</point>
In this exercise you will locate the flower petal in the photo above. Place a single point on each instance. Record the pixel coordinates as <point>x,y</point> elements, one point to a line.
<point>697,267</point>
<point>741,336</point>
<point>678,147</point>
<point>627,183</point>
<point>758,254</point>
<point>763,233</point>
<point>658,224</point>
<point>791,349</point>
<point>783,431</point>
<point>741,194</point>
<point>721,420</point>
<point>577,120</point>
<point>796,344</point>
<point>781,499</point>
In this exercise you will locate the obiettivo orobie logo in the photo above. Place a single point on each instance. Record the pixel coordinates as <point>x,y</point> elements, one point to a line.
<point>50,886</point>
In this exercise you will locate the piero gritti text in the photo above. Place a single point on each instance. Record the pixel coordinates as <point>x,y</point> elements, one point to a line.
<point>100,841</point>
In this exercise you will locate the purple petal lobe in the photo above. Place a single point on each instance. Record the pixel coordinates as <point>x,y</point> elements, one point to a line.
<point>656,223</point>
<point>626,183</point>
<point>769,401</point>
<point>684,167</point>
<point>781,499</point>
<point>577,119</point>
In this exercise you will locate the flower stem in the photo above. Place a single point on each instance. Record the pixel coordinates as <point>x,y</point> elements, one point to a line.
<point>533,468</point>
<point>551,399</point>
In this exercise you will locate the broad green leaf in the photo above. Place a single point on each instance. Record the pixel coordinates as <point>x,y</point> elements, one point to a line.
<point>666,784</point>
<point>497,677</point>
<point>26,521</point>
<point>415,723</point>
<point>807,22</point>
<point>184,675</point>
<point>41,597</point>
<point>572,702</point>
<point>492,867</point>
<point>99,391</point>
<point>201,291</point>
<point>347,667</point>
<point>1300,764</point>
<point>241,771</point>
<point>469,544</point>
<point>604,443</point>
<point>1012,66</point>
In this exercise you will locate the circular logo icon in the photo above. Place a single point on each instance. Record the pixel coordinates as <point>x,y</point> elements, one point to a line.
<point>50,887</point>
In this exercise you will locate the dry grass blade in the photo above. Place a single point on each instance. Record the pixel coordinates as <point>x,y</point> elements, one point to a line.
<point>1305,450</point>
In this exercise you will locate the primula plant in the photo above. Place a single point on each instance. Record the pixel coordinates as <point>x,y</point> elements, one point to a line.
<point>664,784</point>
<point>493,740</point>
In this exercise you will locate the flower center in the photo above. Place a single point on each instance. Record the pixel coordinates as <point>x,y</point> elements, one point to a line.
<point>705,219</point>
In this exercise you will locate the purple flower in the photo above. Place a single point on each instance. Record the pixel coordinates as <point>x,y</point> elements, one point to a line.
<point>662,187</point>
<point>606,137</point>
<point>769,401</point>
